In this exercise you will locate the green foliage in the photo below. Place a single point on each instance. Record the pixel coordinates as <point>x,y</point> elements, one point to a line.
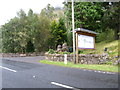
<point>58,33</point>
<point>99,48</point>
<point>86,14</point>
<point>80,51</point>
<point>51,51</point>
<point>107,36</point>
<point>96,16</point>
<point>109,63</point>
<point>111,18</point>
<point>26,33</point>
<point>30,47</point>
<point>64,52</point>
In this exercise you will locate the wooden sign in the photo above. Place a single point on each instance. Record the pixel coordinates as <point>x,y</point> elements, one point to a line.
<point>86,42</point>
<point>85,39</point>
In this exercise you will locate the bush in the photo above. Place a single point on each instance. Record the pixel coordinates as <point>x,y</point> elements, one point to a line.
<point>64,52</point>
<point>80,51</point>
<point>105,36</point>
<point>51,51</point>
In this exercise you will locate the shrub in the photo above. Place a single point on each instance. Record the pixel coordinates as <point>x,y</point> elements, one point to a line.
<point>51,51</point>
<point>105,36</point>
<point>64,52</point>
<point>80,51</point>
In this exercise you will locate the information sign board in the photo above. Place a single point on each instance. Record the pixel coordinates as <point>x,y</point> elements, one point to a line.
<point>85,42</point>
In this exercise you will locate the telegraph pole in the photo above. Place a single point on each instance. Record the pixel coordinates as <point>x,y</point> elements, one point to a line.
<point>73,27</point>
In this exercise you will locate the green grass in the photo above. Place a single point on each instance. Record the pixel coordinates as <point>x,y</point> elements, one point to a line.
<point>108,68</point>
<point>112,48</point>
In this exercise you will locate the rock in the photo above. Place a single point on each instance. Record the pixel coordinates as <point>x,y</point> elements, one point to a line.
<point>59,48</point>
<point>64,47</point>
<point>82,61</point>
<point>22,55</point>
<point>117,62</point>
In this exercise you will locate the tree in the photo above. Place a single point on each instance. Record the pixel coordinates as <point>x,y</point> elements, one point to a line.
<point>41,33</point>
<point>26,31</point>
<point>58,31</point>
<point>111,18</point>
<point>87,14</point>
<point>96,16</point>
<point>61,32</point>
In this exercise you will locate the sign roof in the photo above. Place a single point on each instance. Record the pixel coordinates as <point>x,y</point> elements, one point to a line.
<point>85,30</point>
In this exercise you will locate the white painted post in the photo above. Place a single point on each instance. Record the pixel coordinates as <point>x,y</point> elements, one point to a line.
<point>73,26</point>
<point>65,58</point>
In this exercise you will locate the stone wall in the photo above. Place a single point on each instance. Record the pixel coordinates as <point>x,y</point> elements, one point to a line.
<point>83,59</point>
<point>20,55</point>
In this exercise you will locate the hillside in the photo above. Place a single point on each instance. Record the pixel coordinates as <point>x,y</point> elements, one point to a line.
<point>112,48</point>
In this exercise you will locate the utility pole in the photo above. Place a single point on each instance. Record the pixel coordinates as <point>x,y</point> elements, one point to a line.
<point>73,31</point>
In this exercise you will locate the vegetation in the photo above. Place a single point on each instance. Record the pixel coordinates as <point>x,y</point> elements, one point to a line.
<point>109,68</point>
<point>112,48</point>
<point>101,17</point>
<point>51,51</point>
<point>31,32</point>
<point>58,33</point>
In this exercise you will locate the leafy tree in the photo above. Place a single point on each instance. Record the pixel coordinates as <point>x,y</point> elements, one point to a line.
<point>30,32</point>
<point>53,39</point>
<point>97,16</point>
<point>111,18</point>
<point>58,31</point>
<point>61,32</point>
<point>87,14</point>
<point>26,31</point>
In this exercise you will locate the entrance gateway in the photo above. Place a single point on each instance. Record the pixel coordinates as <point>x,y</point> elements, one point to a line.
<point>85,39</point>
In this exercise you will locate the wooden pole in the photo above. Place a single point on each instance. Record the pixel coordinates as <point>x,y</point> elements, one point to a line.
<point>76,47</point>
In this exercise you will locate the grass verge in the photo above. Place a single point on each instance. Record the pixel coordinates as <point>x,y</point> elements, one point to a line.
<point>109,68</point>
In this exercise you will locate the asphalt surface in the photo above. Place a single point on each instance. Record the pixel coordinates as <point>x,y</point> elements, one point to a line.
<point>28,73</point>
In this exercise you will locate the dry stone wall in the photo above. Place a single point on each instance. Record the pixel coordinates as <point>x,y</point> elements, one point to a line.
<point>83,59</point>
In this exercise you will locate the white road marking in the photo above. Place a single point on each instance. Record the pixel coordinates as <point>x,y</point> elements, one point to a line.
<point>99,71</point>
<point>95,71</point>
<point>104,72</point>
<point>8,69</point>
<point>58,84</point>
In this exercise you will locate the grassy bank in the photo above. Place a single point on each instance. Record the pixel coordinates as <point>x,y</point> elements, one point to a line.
<point>108,68</point>
<point>112,48</point>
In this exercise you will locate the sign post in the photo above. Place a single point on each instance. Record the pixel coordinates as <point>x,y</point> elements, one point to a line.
<point>85,39</point>
<point>76,47</point>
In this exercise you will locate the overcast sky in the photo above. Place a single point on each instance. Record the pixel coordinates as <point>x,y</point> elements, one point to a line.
<point>9,8</point>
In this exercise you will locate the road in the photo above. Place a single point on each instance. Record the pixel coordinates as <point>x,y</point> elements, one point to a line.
<point>26,72</point>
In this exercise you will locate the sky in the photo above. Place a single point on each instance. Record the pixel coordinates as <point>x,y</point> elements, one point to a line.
<point>9,8</point>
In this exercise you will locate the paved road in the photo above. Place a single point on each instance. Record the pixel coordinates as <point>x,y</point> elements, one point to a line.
<point>26,72</point>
